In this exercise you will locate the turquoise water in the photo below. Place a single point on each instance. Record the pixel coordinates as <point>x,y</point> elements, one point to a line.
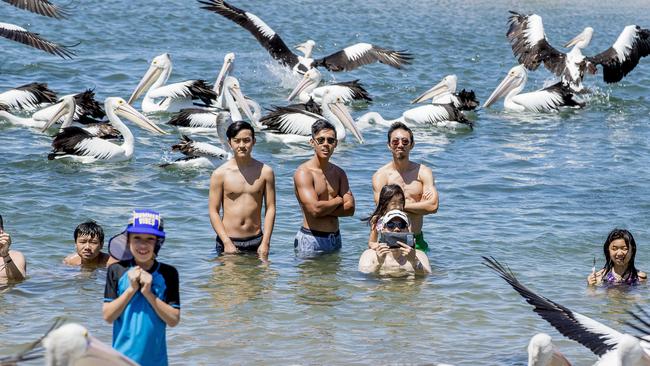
<point>537,191</point>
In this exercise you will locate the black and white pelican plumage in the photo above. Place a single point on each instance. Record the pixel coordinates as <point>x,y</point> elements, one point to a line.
<point>445,116</point>
<point>41,7</point>
<point>347,59</point>
<point>445,92</point>
<point>542,352</point>
<point>22,35</point>
<point>69,112</point>
<point>292,124</point>
<point>69,345</point>
<point>79,145</point>
<point>547,99</point>
<point>174,96</point>
<point>530,46</point>
<point>197,154</point>
<point>308,89</point>
<point>28,97</point>
<point>613,347</point>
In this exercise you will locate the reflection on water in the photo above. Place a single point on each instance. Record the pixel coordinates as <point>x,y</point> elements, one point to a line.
<point>237,279</point>
<point>318,282</point>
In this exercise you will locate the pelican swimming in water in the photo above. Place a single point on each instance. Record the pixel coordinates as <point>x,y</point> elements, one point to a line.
<point>68,109</point>
<point>542,352</point>
<point>198,154</point>
<point>293,124</point>
<point>28,97</point>
<point>437,115</point>
<point>531,47</point>
<point>445,92</point>
<point>347,59</point>
<point>611,346</point>
<point>308,89</point>
<point>174,96</point>
<point>547,99</point>
<point>77,144</point>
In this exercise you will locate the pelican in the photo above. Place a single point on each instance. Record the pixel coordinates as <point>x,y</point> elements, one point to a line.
<point>41,7</point>
<point>445,92</point>
<point>68,107</point>
<point>436,115</point>
<point>530,46</point>
<point>78,145</point>
<point>176,96</point>
<point>308,89</point>
<point>542,352</point>
<point>28,97</point>
<point>22,35</point>
<point>198,154</point>
<point>70,345</point>
<point>347,59</point>
<point>293,124</point>
<point>547,99</point>
<point>613,347</point>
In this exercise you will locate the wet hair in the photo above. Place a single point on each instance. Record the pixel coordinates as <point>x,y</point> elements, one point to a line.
<point>235,127</point>
<point>320,125</point>
<point>400,126</point>
<point>89,228</point>
<point>387,193</point>
<point>631,274</point>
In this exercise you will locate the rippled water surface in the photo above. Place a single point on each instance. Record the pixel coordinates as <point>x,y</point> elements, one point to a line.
<point>539,192</point>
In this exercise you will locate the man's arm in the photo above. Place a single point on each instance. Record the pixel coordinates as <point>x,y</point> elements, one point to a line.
<point>347,208</point>
<point>215,198</point>
<point>269,211</point>
<point>378,182</point>
<point>428,204</point>
<point>304,183</point>
<point>14,261</point>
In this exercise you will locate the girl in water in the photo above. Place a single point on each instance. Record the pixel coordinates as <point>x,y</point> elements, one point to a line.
<point>391,197</point>
<point>620,250</point>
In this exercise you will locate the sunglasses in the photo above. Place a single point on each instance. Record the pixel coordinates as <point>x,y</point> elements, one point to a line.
<point>390,225</point>
<point>330,140</point>
<point>395,142</point>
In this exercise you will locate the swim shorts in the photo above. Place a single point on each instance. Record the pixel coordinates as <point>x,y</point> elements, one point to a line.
<point>249,244</point>
<point>420,243</point>
<point>312,242</point>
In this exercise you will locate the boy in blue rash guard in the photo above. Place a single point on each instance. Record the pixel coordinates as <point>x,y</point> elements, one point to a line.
<point>141,295</point>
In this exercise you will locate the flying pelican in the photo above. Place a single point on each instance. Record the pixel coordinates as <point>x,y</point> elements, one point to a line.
<point>293,124</point>
<point>445,92</point>
<point>22,35</point>
<point>530,46</point>
<point>542,352</point>
<point>308,89</point>
<point>68,108</point>
<point>198,154</point>
<point>41,7</point>
<point>28,97</point>
<point>69,345</point>
<point>436,115</point>
<point>613,347</point>
<point>347,59</point>
<point>176,96</point>
<point>76,144</point>
<point>547,99</point>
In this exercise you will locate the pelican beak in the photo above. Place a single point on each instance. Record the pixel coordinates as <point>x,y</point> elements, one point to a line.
<point>301,46</point>
<point>576,39</point>
<point>558,359</point>
<point>63,110</point>
<point>225,71</point>
<point>128,112</point>
<point>341,112</point>
<point>302,85</point>
<point>148,79</point>
<point>506,85</point>
<point>436,91</point>
<point>241,102</point>
<point>102,354</point>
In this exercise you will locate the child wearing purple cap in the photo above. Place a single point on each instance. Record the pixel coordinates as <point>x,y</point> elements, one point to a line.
<point>141,296</point>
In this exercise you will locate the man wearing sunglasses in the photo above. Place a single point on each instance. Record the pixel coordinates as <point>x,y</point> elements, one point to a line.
<point>324,195</point>
<point>415,179</point>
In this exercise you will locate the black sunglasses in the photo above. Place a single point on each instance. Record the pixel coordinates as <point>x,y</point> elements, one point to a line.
<point>330,140</point>
<point>396,224</point>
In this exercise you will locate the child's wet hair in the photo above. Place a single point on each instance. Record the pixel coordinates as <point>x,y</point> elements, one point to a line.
<point>89,228</point>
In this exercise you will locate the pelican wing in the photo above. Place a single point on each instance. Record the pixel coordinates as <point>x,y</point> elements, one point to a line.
<point>598,337</point>
<point>256,26</point>
<point>28,96</point>
<point>41,7</point>
<point>196,118</point>
<point>193,89</point>
<point>466,100</point>
<point>347,90</point>
<point>21,35</point>
<point>77,141</point>
<point>361,54</point>
<point>193,148</point>
<point>87,107</point>
<point>618,60</point>
<point>290,121</point>
<point>530,46</point>
<point>548,99</point>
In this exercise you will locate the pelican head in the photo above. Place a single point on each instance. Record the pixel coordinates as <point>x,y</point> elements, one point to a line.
<point>119,107</point>
<point>581,40</point>
<point>542,352</point>
<point>306,47</point>
<point>67,107</point>
<point>160,66</point>
<point>310,79</point>
<point>337,106</point>
<point>232,84</point>
<point>516,77</point>
<point>445,86</point>
<point>228,63</point>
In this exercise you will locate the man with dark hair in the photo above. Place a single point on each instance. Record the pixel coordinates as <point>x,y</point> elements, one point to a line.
<point>89,241</point>
<point>416,180</point>
<point>323,191</point>
<point>240,187</point>
<point>13,267</point>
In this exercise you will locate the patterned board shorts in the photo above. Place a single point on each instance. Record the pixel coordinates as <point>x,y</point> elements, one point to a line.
<point>312,242</point>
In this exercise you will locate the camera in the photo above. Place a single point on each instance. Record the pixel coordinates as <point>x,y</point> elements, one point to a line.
<point>391,239</point>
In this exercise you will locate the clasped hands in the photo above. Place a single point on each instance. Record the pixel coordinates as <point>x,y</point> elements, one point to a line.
<point>139,279</point>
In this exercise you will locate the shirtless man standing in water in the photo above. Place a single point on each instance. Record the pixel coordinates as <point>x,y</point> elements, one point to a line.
<point>239,186</point>
<point>415,179</point>
<point>324,195</point>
